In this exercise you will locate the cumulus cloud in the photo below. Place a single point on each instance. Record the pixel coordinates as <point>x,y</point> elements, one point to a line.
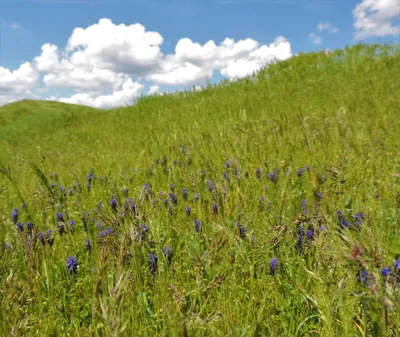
<point>104,57</point>
<point>374,18</point>
<point>315,38</point>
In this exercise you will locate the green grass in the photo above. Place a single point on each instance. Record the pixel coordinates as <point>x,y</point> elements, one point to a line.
<point>337,113</point>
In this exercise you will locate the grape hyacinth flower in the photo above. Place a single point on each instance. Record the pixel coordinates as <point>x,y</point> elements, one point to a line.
<point>226,164</point>
<point>20,227</point>
<point>104,234</point>
<point>318,196</point>
<point>197,226</point>
<point>364,277</point>
<point>172,187</point>
<point>72,265</point>
<point>385,271</point>
<point>196,197</point>
<point>188,210</point>
<point>299,172</point>
<point>126,192</point>
<point>184,193</point>
<point>308,168</point>
<point>113,203</point>
<point>358,218</point>
<point>310,233</point>
<point>152,263</point>
<point>342,220</point>
<point>215,208</point>
<point>41,238</point>
<point>167,252</point>
<point>210,186</point>
<point>60,228</point>
<point>300,237</point>
<point>258,173</point>
<point>29,226</point>
<point>273,265</point>
<point>88,245</point>
<point>133,206</point>
<point>396,264</point>
<point>304,206</point>
<point>146,187</point>
<point>227,177</point>
<point>166,202</point>
<point>14,215</point>
<point>274,176</point>
<point>60,217</point>
<point>71,224</point>
<point>242,230</point>
<point>173,197</point>
<point>70,192</point>
<point>50,237</point>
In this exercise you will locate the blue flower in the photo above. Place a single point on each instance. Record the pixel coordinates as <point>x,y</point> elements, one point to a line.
<point>197,225</point>
<point>273,265</point>
<point>210,186</point>
<point>385,271</point>
<point>14,215</point>
<point>20,227</point>
<point>184,193</point>
<point>258,173</point>
<point>299,172</point>
<point>29,226</point>
<point>188,210</point>
<point>72,265</point>
<point>88,245</point>
<point>274,176</point>
<point>396,264</point>
<point>152,263</point>
<point>304,206</point>
<point>215,208</point>
<point>60,217</point>
<point>196,197</point>
<point>113,203</point>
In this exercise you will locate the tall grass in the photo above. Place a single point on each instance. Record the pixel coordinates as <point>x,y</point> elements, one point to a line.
<point>336,116</point>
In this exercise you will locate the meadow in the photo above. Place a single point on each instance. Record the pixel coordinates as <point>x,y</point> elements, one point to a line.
<point>267,206</point>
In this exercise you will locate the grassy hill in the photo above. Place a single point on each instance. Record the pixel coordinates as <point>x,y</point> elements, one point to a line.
<point>327,125</point>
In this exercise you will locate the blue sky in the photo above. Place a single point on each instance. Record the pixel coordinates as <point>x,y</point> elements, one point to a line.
<point>290,27</point>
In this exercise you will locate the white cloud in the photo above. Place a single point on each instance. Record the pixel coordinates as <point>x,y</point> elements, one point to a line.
<point>315,38</point>
<point>327,26</point>
<point>104,57</point>
<point>374,18</point>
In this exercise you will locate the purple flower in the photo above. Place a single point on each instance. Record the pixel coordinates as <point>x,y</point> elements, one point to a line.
<point>29,226</point>
<point>385,271</point>
<point>144,228</point>
<point>146,187</point>
<point>300,237</point>
<point>172,187</point>
<point>364,277</point>
<point>71,225</point>
<point>105,233</point>
<point>70,192</point>
<point>60,228</point>
<point>242,230</point>
<point>126,192</point>
<point>14,215</point>
<point>318,195</point>
<point>113,203</point>
<point>88,245</point>
<point>20,227</point>
<point>166,202</point>
<point>90,178</point>
<point>196,197</point>
<point>173,197</point>
<point>262,199</point>
<point>197,225</point>
<point>133,206</point>
<point>342,220</point>
<point>396,264</point>
<point>258,173</point>
<point>188,210</point>
<point>155,202</point>
<point>152,263</point>
<point>184,193</point>
<point>227,177</point>
<point>210,186</point>
<point>60,217</point>
<point>299,172</point>
<point>274,176</point>
<point>310,233</point>
<point>41,238</point>
<point>50,237</point>
<point>358,218</point>
<point>167,252</point>
<point>308,168</point>
<point>304,206</point>
<point>215,208</point>
<point>72,265</point>
<point>273,264</point>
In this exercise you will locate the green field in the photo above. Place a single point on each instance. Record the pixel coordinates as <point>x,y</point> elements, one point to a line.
<point>335,116</point>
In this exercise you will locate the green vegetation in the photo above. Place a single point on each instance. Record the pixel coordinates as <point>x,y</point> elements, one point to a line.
<point>336,116</point>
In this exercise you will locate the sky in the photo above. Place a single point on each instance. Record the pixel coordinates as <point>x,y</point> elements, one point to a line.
<point>108,53</point>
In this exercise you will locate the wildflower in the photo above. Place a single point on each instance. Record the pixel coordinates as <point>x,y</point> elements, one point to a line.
<point>310,233</point>
<point>188,210</point>
<point>90,178</point>
<point>215,208</point>
<point>105,233</point>
<point>304,206</point>
<point>152,263</point>
<point>385,271</point>
<point>41,238</point>
<point>364,277</point>
<point>358,218</point>
<point>196,197</point>
<point>173,197</point>
<point>318,196</point>
<point>29,226</point>
<point>146,187</point>
<point>113,203</point>
<point>226,164</point>
<point>71,225</point>
<point>20,227</point>
<point>50,237</point>
<point>72,265</point>
<point>167,252</point>
<point>299,172</point>
<point>60,228</point>
<point>300,237</point>
<point>166,202</point>
<point>308,168</point>
<point>242,230</point>
<point>342,219</point>
<point>60,217</point>
<point>88,245</point>
<point>274,176</point>
<point>155,202</point>
<point>70,192</point>
<point>14,215</point>
<point>227,177</point>
<point>126,192</point>
<point>273,264</point>
<point>133,206</point>
<point>172,187</point>
<point>258,173</point>
<point>184,193</point>
<point>396,264</point>
<point>262,199</point>
<point>210,186</point>
<point>197,225</point>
